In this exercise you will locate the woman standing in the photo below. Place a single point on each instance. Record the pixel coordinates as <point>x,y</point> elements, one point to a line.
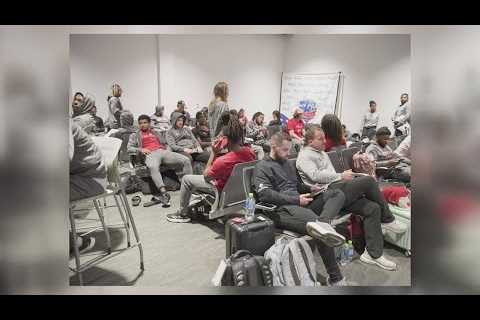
<point>217,106</point>
<point>114,107</point>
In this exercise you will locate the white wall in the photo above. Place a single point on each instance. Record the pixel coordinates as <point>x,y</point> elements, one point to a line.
<point>98,61</point>
<point>376,67</point>
<point>190,66</point>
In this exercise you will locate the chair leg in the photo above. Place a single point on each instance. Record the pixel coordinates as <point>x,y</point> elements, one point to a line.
<point>123,219</point>
<point>134,228</point>
<point>124,210</point>
<point>105,228</point>
<point>75,247</point>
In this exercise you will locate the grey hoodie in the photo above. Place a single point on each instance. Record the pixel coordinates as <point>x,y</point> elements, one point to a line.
<point>315,167</point>
<point>83,117</point>
<point>85,157</point>
<point>135,142</point>
<point>114,105</point>
<point>160,122</point>
<point>179,139</point>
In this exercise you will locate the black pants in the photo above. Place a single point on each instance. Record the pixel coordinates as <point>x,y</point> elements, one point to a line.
<point>201,157</point>
<point>298,223</point>
<point>328,204</point>
<point>363,197</point>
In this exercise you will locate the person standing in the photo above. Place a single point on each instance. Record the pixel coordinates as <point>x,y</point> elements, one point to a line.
<point>217,107</point>
<point>369,122</point>
<point>401,117</point>
<point>114,107</point>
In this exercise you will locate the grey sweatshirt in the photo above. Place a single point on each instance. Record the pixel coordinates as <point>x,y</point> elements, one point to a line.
<point>315,167</point>
<point>402,114</point>
<point>84,118</point>
<point>179,139</point>
<point>85,157</point>
<point>135,142</point>
<point>215,110</point>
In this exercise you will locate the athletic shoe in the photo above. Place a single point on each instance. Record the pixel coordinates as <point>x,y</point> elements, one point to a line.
<point>395,227</point>
<point>164,198</point>
<point>382,262</point>
<point>87,244</point>
<point>325,232</point>
<point>340,283</point>
<point>178,217</point>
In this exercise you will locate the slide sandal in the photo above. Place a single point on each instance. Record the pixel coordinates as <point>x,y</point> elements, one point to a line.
<point>136,201</point>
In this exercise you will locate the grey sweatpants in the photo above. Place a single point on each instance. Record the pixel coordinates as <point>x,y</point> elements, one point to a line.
<point>165,157</point>
<point>190,183</point>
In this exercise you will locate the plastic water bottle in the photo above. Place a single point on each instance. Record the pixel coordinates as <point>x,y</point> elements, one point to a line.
<point>250,208</point>
<point>344,254</point>
<point>350,251</point>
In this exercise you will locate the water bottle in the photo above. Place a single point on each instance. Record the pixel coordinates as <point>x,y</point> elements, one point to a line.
<point>250,208</point>
<point>350,251</point>
<point>344,254</point>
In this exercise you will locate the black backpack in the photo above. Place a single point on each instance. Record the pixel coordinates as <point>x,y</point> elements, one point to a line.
<point>246,270</point>
<point>130,183</point>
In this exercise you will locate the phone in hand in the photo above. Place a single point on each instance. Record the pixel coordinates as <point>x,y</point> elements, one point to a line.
<point>221,143</point>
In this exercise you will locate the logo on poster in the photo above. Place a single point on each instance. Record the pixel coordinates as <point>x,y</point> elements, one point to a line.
<point>309,108</point>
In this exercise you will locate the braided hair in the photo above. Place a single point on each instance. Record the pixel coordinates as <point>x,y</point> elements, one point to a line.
<point>233,131</point>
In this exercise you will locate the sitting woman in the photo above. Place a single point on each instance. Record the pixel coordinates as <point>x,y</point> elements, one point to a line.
<point>257,133</point>
<point>181,140</point>
<point>334,138</point>
<point>202,131</point>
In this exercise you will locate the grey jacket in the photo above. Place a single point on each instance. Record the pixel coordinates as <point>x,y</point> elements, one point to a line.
<point>276,182</point>
<point>179,139</point>
<point>315,167</point>
<point>215,110</point>
<point>84,118</point>
<point>135,143</point>
<point>114,105</point>
<point>85,157</point>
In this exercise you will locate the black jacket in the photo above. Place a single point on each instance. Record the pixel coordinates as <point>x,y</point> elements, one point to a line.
<point>276,182</point>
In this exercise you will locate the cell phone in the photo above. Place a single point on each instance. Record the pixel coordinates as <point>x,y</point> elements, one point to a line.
<point>221,143</point>
<point>266,206</point>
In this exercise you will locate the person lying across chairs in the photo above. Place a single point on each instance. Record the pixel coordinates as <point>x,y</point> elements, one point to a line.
<point>147,141</point>
<point>218,169</point>
<point>362,195</point>
<point>297,209</point>
<point>397,167</point>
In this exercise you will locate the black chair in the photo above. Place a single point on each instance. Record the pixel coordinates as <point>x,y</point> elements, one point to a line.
<point>347,157</point>
<point>336,160</point>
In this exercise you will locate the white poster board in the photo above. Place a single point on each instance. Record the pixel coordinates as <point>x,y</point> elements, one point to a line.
<point>315,94</point>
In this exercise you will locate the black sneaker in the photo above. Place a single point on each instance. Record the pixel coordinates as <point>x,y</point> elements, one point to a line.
<point>87,244</point>
<point>178,217</point>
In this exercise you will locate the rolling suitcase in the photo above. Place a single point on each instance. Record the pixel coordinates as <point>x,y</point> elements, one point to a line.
<point>256,236</point>
<point>401,240</point>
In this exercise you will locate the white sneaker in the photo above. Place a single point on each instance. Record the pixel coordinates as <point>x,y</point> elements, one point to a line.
<point>395,227</point>
<point>325,232</point>
<point>382,262</point>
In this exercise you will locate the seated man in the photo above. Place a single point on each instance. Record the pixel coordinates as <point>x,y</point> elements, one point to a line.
<point>99,126</point>
<point>88,175</point>
<point>362,195</point>
<point>382,154</point>
<point>148,142</point>
<point>403,150</point>
<point>159,120</point>
<point>218,169</point>
<point>82,106</point>
<point>181,139</point>
<point>202,131</point>
<point>257,132</point>
<point>124,133</point>
<point>276,183</point>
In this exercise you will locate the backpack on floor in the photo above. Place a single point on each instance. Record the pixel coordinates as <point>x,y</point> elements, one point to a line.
<point>130,183</point>
<point>243,269</point>
<point>292,263</point>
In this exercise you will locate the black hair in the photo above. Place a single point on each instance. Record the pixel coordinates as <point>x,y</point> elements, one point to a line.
<point>225,118</point>
<point>332,127</point>
<point>144,117</point>
<point>405,94</point>
<point>200,114</point>
<point>256,115</point>
<point>279,137</point>
<point>372,102</point>
<point>234,112</point>
<point>78,93</point>
<point>233,131</point>
<point>383,131</point>
<point>276,113</point>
